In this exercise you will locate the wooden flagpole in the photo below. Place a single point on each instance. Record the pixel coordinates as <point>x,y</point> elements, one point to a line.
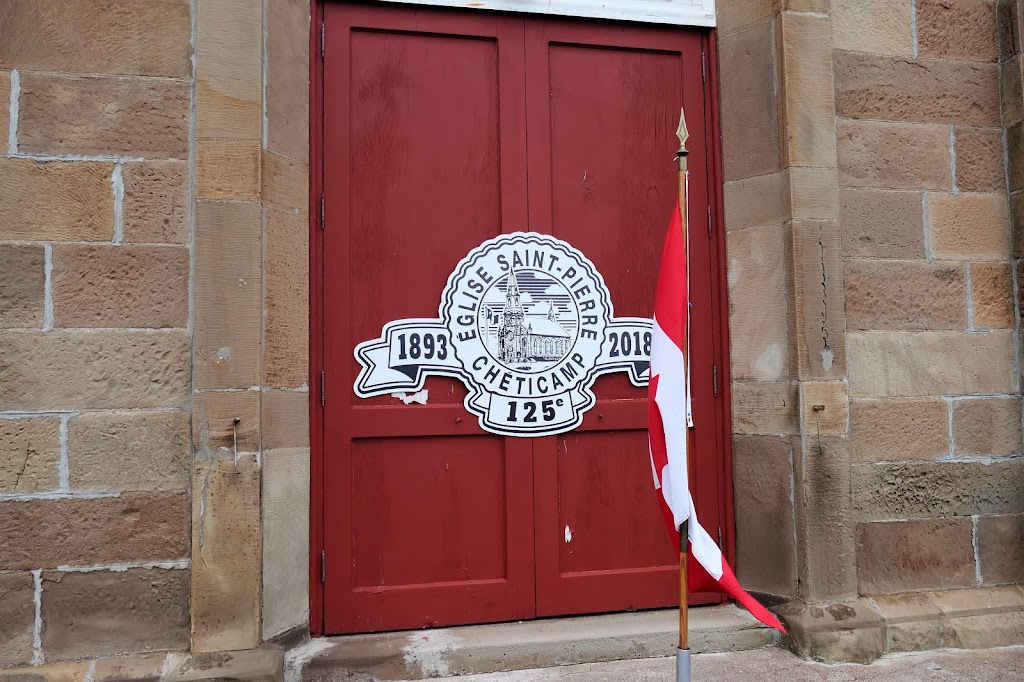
<point>683,655</point>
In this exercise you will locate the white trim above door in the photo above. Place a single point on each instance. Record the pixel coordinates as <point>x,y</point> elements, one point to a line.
<point>677,12</point>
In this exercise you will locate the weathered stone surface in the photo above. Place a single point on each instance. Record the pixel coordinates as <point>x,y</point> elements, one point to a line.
<point>213,422</point>
<point>1017,224</point>
<point>982,618</point>
<point>285,540</point>
<point>1001,549</point>
<point>877,26</point>
<point>882,223</point>
<point>229,60</point>
<point>898,556</point>
<point>284,419</point>
<point>765,535</point>
<point>958,603</point>
<point>77,532</point>
<point>750,130</point>
<point>757,201</point>
<point>228,291</point>
<point>56,200</point>
<point>888,430</point>
<point>120,286</point>
<point>905,490</point>
<point>285,183</point>
<point>912,621</point>
<point>102,613</point>
<point>836,632</point>
<point>765,408</point>
<point>813,192</point>
<point>824,519</point>
<point>1015,151</point>
<point>5,112</point>
<point>959,29</point>
<point>286,300</point>
<point>287,90</point>
<point>228,169</point>
<point>22,277</point>
<point>987,426</point>
<point>817,321</point>
<point>226,566</point>
<point>1011,90</point>
<point>65,370</point>
<point>122,668</point>
<point>265,664</point>
<point>905,295</point>
<point>968,226</point>
<point>894,155</point>
<point>909,364</point>
<point>925,90</point>
<point>833,419</point>
<point>979,159</point>
<point>738,15</point>
<point>757,305</point>
<point>98,36</point>
<point>17,603</point>
<point>29,451</point>
<point>1008,28</point>
<point>992,296</point>
<point>92,115</point>
<point>129,451</point>
<point>805,74</point>
<point>156,202</point>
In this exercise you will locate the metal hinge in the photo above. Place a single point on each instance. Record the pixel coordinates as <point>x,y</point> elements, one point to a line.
<point>709,222</point>
<point>323,39</point>
<point>323,388</point>
<point>703,67</point>
<point>720,539</point>
<point>714,378</point>
<point>323,564</point>
<point>323,212</point>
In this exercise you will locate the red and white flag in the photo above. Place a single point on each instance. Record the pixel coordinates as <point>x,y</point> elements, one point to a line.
<point>669,408</point>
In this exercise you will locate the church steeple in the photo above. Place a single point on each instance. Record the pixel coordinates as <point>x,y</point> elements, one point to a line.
<point>513,299</point>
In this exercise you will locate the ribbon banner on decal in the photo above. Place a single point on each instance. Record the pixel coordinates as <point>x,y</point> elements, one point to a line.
<point>526,322</point>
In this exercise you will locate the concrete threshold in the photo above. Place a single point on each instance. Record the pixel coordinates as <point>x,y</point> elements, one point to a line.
<point>450,652</point>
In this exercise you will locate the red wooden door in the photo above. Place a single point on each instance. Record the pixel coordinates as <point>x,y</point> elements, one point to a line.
<point>602,109</point>
<point>427,519</point>
<point>441,129</point>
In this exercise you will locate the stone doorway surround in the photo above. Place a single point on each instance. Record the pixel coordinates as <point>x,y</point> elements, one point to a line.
<point>155,206</point>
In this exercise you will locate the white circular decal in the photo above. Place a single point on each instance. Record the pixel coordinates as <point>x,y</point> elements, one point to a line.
<point>527,323</point>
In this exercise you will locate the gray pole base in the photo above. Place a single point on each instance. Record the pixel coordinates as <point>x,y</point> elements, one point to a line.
<point>682,665</point>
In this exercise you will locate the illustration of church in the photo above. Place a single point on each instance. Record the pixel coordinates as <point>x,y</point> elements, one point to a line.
<point>525,340</point>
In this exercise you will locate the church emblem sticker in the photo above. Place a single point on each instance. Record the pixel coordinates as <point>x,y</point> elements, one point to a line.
<point>527,324</point>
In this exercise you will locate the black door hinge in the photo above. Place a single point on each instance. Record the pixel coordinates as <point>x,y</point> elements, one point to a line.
<point>323,388</point>
<point>323,212</point>
<point>323,39</point>
<point>709,222</point>
<point>323,566</point>
<point>703,67</point>
<point>714,378</point>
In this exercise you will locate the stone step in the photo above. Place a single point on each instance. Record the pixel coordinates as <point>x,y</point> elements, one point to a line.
<point>449,652</point>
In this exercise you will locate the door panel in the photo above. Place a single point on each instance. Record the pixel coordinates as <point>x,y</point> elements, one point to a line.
<point>428,520</point>
<point>602,109</point>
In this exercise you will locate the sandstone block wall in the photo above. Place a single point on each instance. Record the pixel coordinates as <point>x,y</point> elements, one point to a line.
<point>913,456</point>
<point>95,454</point>
<point>153,319</point>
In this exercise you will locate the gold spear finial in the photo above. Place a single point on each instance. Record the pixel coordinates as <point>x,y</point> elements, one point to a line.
<point>682,134</point>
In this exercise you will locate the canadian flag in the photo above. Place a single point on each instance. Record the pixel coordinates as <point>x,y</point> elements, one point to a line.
<point>667,429</point>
